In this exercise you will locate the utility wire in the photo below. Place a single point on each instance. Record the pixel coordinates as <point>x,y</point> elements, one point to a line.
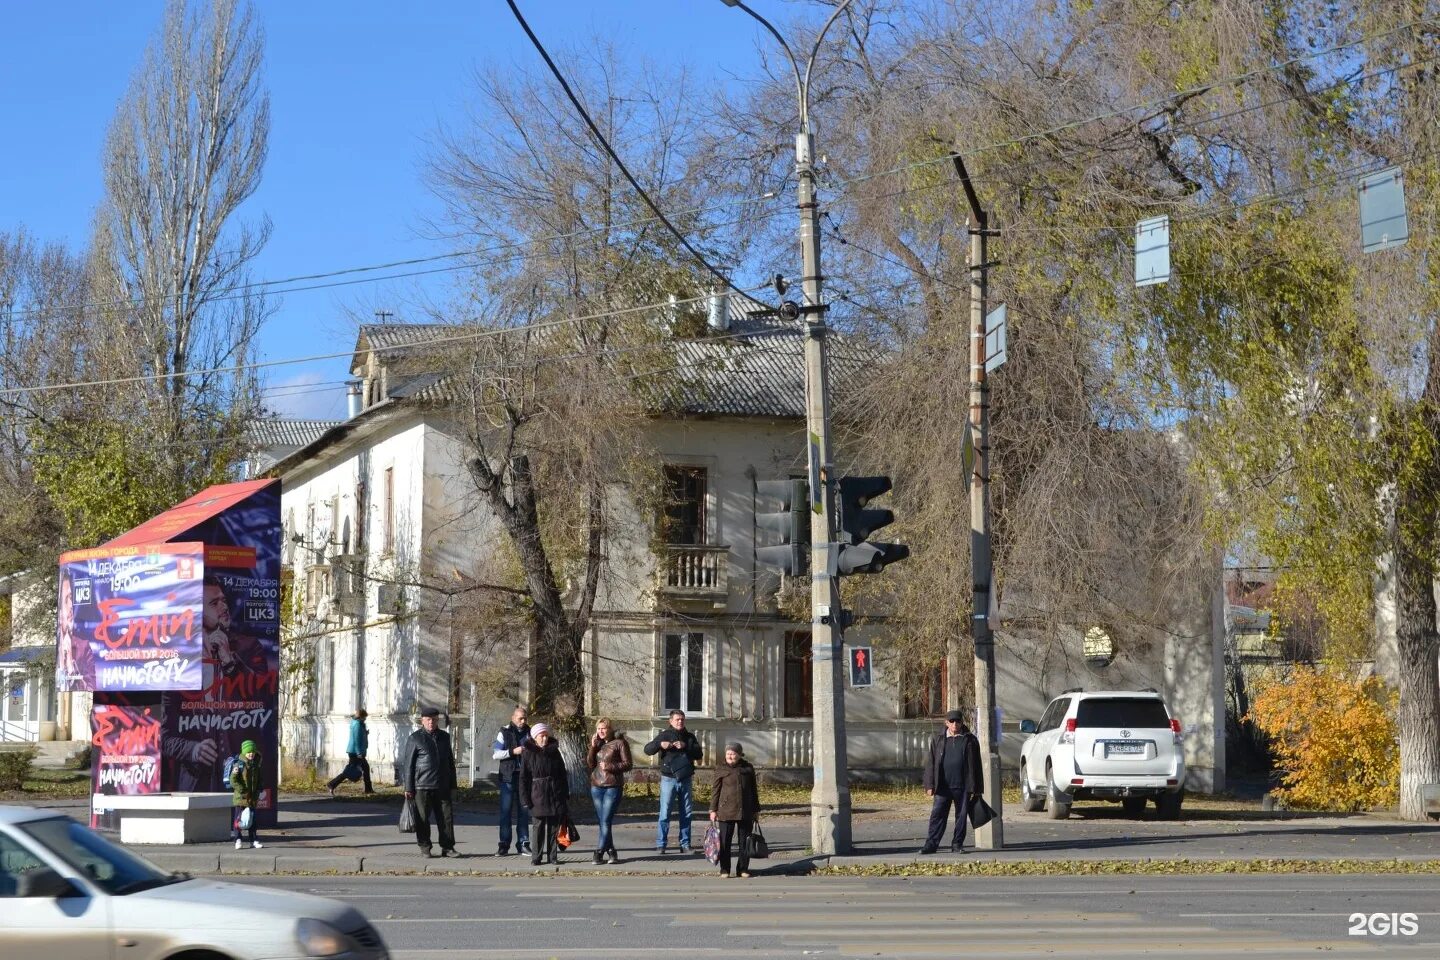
<point>1145,105</point>
<point>620,164</point>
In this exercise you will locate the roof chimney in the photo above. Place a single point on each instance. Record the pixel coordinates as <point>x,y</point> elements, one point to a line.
<point>352,398</point>
<point>719,317</point>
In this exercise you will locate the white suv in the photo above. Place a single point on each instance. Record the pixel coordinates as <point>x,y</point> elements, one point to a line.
<point>1107,745</point>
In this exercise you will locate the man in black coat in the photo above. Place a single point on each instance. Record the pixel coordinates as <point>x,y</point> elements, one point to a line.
<point>428,773</point>
<point>953,776</point>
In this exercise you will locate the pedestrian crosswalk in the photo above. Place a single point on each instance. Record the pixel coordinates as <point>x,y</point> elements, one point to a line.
<point>637,917</point>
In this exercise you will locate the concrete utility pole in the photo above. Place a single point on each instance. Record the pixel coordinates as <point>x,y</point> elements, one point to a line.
<point>830,798</point>
<point>991,836</point>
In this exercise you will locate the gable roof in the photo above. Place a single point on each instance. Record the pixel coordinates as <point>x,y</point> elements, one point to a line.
<point>286,432</point>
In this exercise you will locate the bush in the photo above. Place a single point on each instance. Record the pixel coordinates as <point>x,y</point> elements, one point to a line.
<point>1334,738</point>
<point>15,767</point>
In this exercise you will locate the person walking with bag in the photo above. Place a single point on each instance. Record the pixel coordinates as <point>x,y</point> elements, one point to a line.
<point>245,793</point>
<point>355,750</point>
<point>609,760</point>
<point>953,777</point>
<point>679,751</point>
<point>514,805</point>
<point>427,770</point>
<point>544,782</point>
<point>735,805</point>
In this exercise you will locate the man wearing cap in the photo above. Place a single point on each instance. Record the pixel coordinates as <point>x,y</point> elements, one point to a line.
<point>952,777</point>
<point>427,770</point>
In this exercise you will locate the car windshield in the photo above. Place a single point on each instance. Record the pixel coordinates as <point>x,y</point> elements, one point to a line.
<point>112,868</point>
<point>1122,712</point>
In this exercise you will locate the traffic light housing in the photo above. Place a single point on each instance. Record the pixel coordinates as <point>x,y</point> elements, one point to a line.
<point>790,523</point>
<point>858,522</point>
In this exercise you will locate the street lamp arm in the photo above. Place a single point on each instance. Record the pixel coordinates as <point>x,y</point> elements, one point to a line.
<point>810,64</point>
<point>794,64</point>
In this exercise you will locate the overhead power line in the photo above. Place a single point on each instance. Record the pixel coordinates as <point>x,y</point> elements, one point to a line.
<point>1144,105</point>
<point>620,164</point>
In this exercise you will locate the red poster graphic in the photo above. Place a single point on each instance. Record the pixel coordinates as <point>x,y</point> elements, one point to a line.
<point>126,740</point>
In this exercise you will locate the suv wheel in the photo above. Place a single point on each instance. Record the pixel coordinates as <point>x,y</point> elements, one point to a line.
<point>1169,804</point>
<point>1030,801</point>
<point>1058,809</point>
<point>1134,807</point>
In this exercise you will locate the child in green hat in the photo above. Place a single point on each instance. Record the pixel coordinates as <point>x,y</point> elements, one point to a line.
<point>245,787</point>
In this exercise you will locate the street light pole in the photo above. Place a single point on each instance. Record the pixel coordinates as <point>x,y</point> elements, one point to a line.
<point>991,836</point>
<point>830,797</point>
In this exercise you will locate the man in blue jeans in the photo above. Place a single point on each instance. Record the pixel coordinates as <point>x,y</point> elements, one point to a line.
<point>679,751</point>
<point>509,745</point>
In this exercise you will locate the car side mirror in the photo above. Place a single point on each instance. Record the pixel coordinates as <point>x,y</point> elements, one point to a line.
<point>44,883</point>
<point>1028,726</point>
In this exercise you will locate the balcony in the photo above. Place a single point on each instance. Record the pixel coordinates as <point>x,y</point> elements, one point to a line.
<point>696,572</point>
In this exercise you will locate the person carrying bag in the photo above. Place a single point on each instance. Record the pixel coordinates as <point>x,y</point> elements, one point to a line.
<point>735,806</point>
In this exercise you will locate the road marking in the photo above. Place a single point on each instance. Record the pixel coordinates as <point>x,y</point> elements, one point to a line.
<point>477,919</point>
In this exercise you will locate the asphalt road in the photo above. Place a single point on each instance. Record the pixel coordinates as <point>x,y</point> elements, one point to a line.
<point>425,918</point>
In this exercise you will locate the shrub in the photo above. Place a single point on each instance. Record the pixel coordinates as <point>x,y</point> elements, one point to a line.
<point>1334,738</point>
<point>15,767</point>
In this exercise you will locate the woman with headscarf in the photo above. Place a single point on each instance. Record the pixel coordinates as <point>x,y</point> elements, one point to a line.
<point>735,805</point>
<point>544,782</point>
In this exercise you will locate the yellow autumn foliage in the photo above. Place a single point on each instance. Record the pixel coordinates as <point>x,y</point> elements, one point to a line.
<point>1334,738</point>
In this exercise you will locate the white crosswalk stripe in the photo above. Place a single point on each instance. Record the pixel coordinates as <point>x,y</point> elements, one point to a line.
<point>817,917</point>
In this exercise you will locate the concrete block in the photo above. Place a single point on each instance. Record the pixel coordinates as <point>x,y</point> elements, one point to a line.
<point>247,861</point>
<point>185,861</point>
<point>316,863</point>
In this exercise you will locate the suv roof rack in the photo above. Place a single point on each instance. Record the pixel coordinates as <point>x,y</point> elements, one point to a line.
<point>1072,690</point>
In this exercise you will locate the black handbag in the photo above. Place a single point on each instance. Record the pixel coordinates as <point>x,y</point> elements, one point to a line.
<point>756,845</point>
<point>981,812</point>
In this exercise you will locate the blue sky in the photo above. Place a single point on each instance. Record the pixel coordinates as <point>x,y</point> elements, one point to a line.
<point>356,90</point>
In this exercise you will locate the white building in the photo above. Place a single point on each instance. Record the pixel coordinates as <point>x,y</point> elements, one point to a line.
<point>687,619</point>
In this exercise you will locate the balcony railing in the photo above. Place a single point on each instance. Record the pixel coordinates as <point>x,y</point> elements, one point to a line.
<point>696,570</point>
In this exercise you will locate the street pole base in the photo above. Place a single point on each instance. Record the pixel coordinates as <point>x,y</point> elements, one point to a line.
<point>992,835</point>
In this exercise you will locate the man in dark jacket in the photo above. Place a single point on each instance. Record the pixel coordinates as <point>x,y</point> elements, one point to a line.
<point>514,805</point>
<point>679,750</point>
<point>953,776</point>
<point>355,750</point>
<point>428,771</point>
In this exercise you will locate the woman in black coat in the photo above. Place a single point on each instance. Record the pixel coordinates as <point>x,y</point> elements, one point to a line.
<point>544,782</point>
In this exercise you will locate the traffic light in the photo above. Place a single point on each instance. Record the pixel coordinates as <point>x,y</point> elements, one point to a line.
<point>791,523</point>
<point>857,523</point>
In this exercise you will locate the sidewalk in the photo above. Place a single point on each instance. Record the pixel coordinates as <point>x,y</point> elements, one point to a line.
<point>358,836</point>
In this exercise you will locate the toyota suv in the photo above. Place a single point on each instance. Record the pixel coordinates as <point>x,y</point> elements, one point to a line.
<point>1104,745</point>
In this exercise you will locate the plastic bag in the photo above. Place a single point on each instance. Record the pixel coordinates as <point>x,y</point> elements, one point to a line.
<point>351,772</point>
<point>981,812</point>
<point>246,819</point>
<point>712,844</point>
<point>407,816</point>
<point>567,836</point>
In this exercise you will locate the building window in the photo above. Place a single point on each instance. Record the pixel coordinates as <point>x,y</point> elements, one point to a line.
<point>387,528</point>
<point>922,691</point>
<point>685,505</point>
<point>684,672</point>
<point>797,675</point>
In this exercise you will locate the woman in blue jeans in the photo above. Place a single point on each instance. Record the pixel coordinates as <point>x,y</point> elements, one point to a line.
<point>609,760</point>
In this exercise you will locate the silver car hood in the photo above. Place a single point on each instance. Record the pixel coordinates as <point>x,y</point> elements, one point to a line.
<point>216,895</point>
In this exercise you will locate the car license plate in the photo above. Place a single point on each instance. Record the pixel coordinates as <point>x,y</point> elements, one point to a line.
<point>1123,749</point>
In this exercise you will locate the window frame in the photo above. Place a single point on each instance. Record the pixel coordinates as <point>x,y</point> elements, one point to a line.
<point>689,641</point>
<point>937,674</point>
<point>702,536</point>
<point>807,711</point>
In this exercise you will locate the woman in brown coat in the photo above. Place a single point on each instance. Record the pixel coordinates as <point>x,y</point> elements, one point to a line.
<point>609,760</point>
<point>735,803</point>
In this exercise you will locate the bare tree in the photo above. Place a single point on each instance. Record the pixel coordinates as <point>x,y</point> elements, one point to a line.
<point>184,153</point>
<point>551,397</point>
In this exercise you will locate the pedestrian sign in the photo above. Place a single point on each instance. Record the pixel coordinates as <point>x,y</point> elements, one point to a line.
<point>862,670</point>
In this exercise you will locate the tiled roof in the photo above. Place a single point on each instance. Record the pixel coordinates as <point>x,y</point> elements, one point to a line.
<point>394,336</point>
<point>282,432</point>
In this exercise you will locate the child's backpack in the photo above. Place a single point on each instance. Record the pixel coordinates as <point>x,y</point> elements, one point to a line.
<point>230,763</point>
